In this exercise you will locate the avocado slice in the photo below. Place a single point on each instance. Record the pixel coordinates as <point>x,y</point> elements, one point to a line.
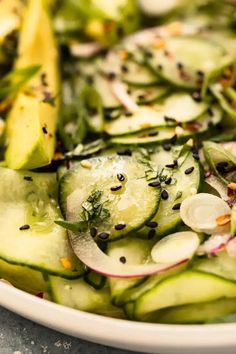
<point>31,123</point>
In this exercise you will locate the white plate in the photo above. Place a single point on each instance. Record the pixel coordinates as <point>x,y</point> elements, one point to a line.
<point>151,338</point>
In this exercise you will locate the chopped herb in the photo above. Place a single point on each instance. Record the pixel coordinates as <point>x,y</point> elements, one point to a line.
<point>48,98</point>
<point>178,195</point>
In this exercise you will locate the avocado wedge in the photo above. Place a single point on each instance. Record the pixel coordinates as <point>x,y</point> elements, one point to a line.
<point>32,120</point>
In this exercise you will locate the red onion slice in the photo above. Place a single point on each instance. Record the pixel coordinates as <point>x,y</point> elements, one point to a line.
<point>120,91</point>
<point>90,254</point>
<point>214,244</point>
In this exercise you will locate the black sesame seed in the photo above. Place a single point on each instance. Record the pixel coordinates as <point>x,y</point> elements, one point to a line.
<point>153,134</point>
<point>189,170</point>
<point>111,76</point>
<point>123,259</point>
<point>119,227</point>
<point>172,165</point>
<point>93,231</point>
<point>196,156</point>
<point>176,206</point>
<point>200,73</point>
<point>124,68</point>
<point>147,53</point>
<point>44,129</point>
<point>152,224</point>
<point>210,112</point>
<point>141,97</point>
<point>159,67</point>
<point>154,184</point>
<point>104,235</point>
<point>89,80</point>
<point>128,114</point>
<point>168,181</point>
<point>28,178</point>
<point>116,188</point>
<point>125,152</point>
<point>223,164</point>
<point>196,96</point>
<point>180,66</point>
<point>169,119</point>
<point>164,195</point>
<point>120,31</point>
<point>151,234</point>
<point>120,177</point>
<point>167,147</point>
<point>173,140</point>
<point>24,227</point>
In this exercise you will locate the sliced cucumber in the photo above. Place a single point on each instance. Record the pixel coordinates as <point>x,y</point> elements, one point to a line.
<point>131,251</point>
<point>186,288</point>
<point>112,204</point>
<point>182,185</point>
<point>197,313</point>
<point>222,264</point>
<point>164,134</point>
<point>23,278</point>
<point>29,237</point>
<point>189,61</point>
<point>81,296</point>
<point>179,107</point>
<point>130,71</point>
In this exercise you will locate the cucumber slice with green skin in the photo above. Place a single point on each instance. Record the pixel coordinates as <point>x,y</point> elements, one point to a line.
<point>186,288</point>
<point>81,296</point>
<point>129,251</point>
<point>97,281</point>
<point>164,134</point>
<point>182,185</point>
<point>177,108</point>
<point>129,71</point>
<point>197,313</point>
<point>28,209</point>
<point>129,310</point>
<point>218,91</point>
<point>220,161</point>
<point>108,202</point>
<point>222,265</point>
<point>23,278</point>
<point>189,61</point>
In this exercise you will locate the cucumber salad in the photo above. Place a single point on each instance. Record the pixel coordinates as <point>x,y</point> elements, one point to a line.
<point>118,156</point>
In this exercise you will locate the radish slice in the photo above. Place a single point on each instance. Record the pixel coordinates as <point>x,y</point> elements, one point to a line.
<point>85,50</point>
<point>206,213</point>
<point>219,186</point>
<point>90,254</point>
<point>214,244</point>
<point>120,91</point>
<point>231,247</point>
<point>175,247</point>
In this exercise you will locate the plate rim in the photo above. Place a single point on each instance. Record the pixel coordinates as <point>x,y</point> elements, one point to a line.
<point>117,332</point>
